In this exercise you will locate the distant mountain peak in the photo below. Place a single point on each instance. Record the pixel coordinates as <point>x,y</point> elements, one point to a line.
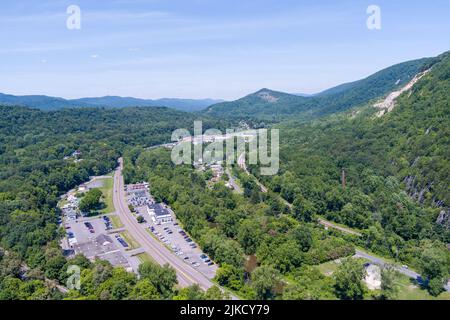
<point>267,95</point>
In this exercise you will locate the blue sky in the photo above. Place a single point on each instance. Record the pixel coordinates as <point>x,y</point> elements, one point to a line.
<point>208,48</point>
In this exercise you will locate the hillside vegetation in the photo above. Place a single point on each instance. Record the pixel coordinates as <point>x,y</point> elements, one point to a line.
<point>271,106</point>
<point>396,168</point>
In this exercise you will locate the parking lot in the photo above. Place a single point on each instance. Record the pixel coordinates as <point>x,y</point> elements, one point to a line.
<point>170,233</point>
<point>93,238</point>
<point>175,238</point>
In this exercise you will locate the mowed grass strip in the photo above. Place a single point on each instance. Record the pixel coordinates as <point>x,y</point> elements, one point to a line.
<point>116,222</point>
<point>145,257</point>
<point>107,191</point>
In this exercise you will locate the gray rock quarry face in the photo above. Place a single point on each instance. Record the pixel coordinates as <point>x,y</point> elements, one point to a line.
<point>444,218</point>
<point>418,193</point>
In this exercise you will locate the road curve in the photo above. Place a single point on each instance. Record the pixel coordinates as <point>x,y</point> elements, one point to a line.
<point>232,181</point>
<point>186,274</point>
<point>243,166</point>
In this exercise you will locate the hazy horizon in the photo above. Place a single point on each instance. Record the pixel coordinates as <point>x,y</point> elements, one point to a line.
<point>201,49</point>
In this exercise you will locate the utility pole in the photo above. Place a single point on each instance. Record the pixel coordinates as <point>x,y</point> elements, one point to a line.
<point>343,179</point>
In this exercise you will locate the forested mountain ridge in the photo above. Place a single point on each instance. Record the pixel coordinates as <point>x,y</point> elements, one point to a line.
<point>38,101</point>
<point>122,102</point>
<point>47,103</point>
<point>271,106</point>
<point>396,167</point>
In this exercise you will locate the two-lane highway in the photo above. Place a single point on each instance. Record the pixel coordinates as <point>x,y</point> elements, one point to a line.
<point>186,274</point>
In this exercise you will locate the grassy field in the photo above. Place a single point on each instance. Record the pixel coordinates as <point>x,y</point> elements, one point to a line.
<point>328,268</point>
<point>107,190</point>
<point>116,222</point>
<point>407,289</point>
<point>145,257</point>
<point>129,239</point>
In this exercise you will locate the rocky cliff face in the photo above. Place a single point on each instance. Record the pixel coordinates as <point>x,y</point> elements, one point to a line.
<point>418,192</point>
<point>444,218</point>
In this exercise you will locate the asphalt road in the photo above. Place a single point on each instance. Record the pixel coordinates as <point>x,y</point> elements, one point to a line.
<point>233,182</point>
<point>242,165</point>
<point>373,259</point>
<point>334,226</point>
<point>381,262</point>
<point>186,274</point>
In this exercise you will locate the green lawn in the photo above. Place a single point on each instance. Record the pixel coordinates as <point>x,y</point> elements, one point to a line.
<point>410,291</point>
<point>328,268</point>
<point>116,222</point>
<point>107,191</point>
<point>407,290</point>
<point>145,257</point>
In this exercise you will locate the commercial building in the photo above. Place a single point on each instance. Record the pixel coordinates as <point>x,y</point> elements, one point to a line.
<point>159,214</point>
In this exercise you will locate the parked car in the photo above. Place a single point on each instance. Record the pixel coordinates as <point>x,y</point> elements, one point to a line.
<point>122,241</point>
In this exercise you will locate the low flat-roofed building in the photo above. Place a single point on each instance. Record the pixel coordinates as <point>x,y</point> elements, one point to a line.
<point>132,188</point>
<point>159,214</point>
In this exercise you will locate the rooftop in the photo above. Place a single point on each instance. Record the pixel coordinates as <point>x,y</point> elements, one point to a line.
<point>159,209</point>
